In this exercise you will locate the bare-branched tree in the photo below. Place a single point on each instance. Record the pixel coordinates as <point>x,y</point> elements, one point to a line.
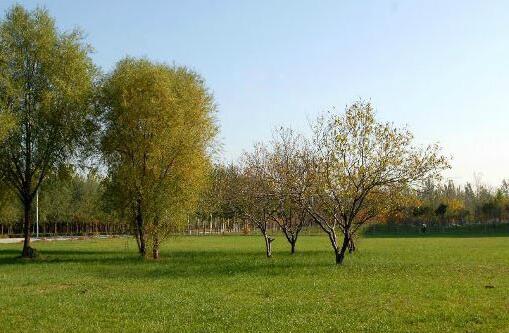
<point>288,180</point>
<point>255,201</point>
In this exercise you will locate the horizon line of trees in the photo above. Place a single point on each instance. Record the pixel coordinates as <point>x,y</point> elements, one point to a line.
<point>448,203</point>
<point>71,203</point>
<point>74,204</point>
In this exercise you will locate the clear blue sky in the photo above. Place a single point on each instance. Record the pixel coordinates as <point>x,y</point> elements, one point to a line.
<point>441,67</point>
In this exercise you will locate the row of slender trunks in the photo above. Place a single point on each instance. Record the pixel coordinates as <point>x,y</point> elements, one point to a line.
<point>348,243</point>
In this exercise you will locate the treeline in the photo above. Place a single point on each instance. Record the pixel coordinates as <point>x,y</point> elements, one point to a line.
<point>69,203</point>
<point>74,204</point>
<point>445,204</point>
<point>435,204</point>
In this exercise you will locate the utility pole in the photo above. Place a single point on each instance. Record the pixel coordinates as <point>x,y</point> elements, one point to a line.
<point>37,213</point>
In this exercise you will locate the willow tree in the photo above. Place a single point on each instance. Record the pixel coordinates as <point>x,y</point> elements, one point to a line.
<point>360,166</point>
<point>159,127</point>
<point>46,82</point>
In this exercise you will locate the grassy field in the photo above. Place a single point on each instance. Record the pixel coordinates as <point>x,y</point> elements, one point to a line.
<point>206,284</point>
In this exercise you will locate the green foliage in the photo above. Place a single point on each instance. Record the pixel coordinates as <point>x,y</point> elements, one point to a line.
<point>10,210</point>
<point>220,196</point>
<point>46,81</point>
<point>7,123</point>
<point>70,197</point>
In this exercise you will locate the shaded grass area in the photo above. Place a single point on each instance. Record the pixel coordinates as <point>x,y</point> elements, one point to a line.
<point>436,234</point>
<point>211,284</point>
<point>450,230</point>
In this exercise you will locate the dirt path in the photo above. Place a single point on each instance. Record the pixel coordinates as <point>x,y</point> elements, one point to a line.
<point>10,240</point>
<point>46,239</point>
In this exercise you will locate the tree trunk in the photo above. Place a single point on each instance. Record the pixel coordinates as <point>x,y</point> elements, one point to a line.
<point>292,243</point>
<point>340,255</point>
<point>291,237</point>
<point>137,236</point>
<point>268,245</point>
<point>142,246</point>
<point>27,250</point>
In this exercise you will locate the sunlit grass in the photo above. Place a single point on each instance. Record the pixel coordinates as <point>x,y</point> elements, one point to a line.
<point>226,284</point>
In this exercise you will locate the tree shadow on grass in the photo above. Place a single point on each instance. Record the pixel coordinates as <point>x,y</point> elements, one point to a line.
<point>212,264</point>
<point>437,235</point>
<point>49,255</point>
<point>175,264</point>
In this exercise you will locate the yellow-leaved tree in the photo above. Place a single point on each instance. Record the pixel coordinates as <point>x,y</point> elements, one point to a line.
<point>360,169</point>
<point>159,128</point>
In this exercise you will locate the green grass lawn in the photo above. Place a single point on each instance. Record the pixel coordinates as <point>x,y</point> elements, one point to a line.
<point>213,284</point>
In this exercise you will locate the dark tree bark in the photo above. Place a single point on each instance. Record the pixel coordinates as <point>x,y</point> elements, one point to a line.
<point>292,243</point>
<point>291,237</point>
<point>330,230</point>
<point>140,231</point>
<point>155,240</point>
<point>27,252</point>
<point>142,245</point>
<point>340,255</point>
<point>137,236</point>
<point>290,229</point>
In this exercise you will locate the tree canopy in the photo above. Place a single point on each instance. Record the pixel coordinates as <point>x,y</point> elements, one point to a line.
<point>46,86</point>
<point>360,166</point>
<point>159,128</point>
